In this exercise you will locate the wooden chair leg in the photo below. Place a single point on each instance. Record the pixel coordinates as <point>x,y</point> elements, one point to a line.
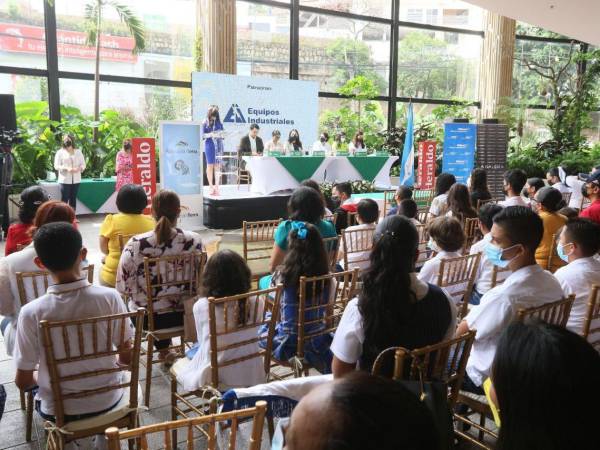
<point>174,407</point>
<point>149,358</point>
<point>29,419</point>
<point>22,398</point>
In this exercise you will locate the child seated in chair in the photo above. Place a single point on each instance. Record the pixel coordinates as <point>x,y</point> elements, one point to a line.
<point>367,216</point>
<point>306,256</point>
<point>59,250</point>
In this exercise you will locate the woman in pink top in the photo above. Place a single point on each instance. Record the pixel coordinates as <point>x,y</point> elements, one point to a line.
<point>124,165</point>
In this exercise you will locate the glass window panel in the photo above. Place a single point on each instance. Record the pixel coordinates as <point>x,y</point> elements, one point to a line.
<point>449,13</point>
<point>337,49</point>
<point>25,88</point>
<point>263,41</point>
<point>376,8</point>
<point>169,29</point>
<point>22,38</point>
<point>438,65</point>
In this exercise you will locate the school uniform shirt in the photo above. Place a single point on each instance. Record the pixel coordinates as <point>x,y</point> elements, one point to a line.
<point>71,301</point>
<point>359,260</point>
<point>197,373</point>
<point>514,201</point>
<point>63,160</point>
<point>430,271</point>
<point>347,345</point>
<point>439,205</point>
<point>483,280</point>
<point>325,227</point>
<point>525,288</point>
<point>577,278</point>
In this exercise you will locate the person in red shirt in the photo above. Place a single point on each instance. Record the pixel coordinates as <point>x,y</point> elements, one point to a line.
<point>341,194</point>
<point>18,233</point>
<point>591,190</point>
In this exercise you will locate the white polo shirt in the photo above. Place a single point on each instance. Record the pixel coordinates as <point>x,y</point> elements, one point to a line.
<point>439,205</point>
<point>514,201</point>
<point>483,280</point>
<point>527,287</point>
<point>70,301</point>
<point>430,271</point>
<point>577,278</point>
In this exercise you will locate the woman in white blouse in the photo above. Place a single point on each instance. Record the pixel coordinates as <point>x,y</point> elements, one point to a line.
<point>69,163</point>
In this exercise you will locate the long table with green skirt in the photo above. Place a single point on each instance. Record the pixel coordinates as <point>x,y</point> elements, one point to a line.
<point>95,195</point>
<point>280,173</point>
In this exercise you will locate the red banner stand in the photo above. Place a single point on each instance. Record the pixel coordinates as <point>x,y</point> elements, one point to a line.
<point>143,152</point>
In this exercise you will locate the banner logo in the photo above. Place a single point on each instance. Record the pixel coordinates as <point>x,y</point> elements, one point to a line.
<point>235,115</point>
<point>144,167</point>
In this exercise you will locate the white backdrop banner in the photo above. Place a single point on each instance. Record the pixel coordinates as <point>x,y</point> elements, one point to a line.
<point>273,104</point>
<point>181,168</point>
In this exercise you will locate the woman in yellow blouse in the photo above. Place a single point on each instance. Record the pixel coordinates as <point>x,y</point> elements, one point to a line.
<point>131,202</point>
<point>548,201</point>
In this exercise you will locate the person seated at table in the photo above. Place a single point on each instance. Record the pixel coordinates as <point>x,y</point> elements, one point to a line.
<point>439,204</point>
<point>402,193</point>
<point>446,241</point>
<point>305,205</point>
<point>358,412</point>
<point>322,145</point>
<point>532,186</point>
<point>478,187</point>
<point>226,274</point>
<point>357,144</point>
<point>313,184</point>
<point>131,202</point>
<point>165,240</point>
<point>367,215</point>
<point>24,261</point>
<point>547,203</point>
<point>19,233</point>
<point>394,307</point>
<point>306,257</point>
<point>514,180</point>
<point>459,203</point>
<point>275,145</point>
<point>341,195</point>
<point>60,251</point>
<point>251,144</point>
<point>293,144</point>
<point>339,144</point>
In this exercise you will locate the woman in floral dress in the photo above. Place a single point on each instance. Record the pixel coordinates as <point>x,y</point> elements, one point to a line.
<point>124,165</point>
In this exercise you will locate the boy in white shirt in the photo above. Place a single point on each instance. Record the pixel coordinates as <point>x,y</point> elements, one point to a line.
<point>515,236</point>
<point>367,214</point>
<point>514,181</point>
<point>579,242</point>
<point>483,280</point>
<point>59,250</point>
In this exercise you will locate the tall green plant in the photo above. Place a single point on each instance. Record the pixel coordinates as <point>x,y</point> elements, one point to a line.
<point>360,89</point>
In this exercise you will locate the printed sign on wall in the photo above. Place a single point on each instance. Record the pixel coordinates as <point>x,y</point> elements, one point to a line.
<point>143,155</point>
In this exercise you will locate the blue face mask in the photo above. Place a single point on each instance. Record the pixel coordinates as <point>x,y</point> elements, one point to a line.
<point>494,255</point>
<point>560,249</point>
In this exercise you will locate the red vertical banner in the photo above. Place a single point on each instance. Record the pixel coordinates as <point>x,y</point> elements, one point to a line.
<point>143,151</point>
<point>426,167</point>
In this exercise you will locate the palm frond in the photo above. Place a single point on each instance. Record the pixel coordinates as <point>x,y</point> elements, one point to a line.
<point>133,23</point>
<point>91,22</point>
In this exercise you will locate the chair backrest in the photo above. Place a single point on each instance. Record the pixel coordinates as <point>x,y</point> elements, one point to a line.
<point>423,215</point>
<point>208,425</point>
<point>555,313</point>
<point>553,255</point>
<point>567,197</point>
<point>319,315</point>
<point>423,240</point>
<point>591,325</point>
<point>172,278</point>
<point>496,278</point>
<point>258,239</point>
<point>66,342</point>
<point>332,247</point>
<point>423,197</point>
<point>446,362</point>
<point>472,233</point>
<point>234,322</point>
<point>32,285</point>
<point>388,201</point>
<point>457,275</point>
<point>123,240</point>
<point>357,242</point>
<point>352,218</point>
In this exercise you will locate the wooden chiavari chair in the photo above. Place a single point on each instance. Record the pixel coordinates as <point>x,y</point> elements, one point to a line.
<point>555,313</point>
<point>445,362</point>
<point>357,242</point>
<point>423,240</point>
<point>553,256</point>
<point>209,424</point>
<point>352,218</point>
<point>423,197</point>
<point>258,239</point>
<point>567,197</point>
<point>496,277</point>
<point>457,276</point>
<point>234,325</point>
<point>388,201</point>
<point>472,233</point>
<point>321,303</point>
<point>123,240</point>
<point>423,215</point>
<point>591,325</point>
<point>332,247</point>
<point>168,278</point>
<point>64,344</point>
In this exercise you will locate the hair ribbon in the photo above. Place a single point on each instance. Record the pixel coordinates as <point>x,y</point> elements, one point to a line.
<point>300,227</point>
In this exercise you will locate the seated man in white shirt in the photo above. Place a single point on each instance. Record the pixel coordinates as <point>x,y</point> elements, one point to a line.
<point>516,234</point>
<point>579,242</point>
<point>514,181</point>
<point>483,281</point>
<point>367,214</point>
<point>59,250</point>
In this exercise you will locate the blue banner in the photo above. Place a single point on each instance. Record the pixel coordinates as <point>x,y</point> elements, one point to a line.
<point>460,141</point>
<point>180,158</point>
<point>407,172</point>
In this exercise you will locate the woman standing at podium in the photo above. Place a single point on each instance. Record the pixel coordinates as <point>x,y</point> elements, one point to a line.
<point>124,166</point>
<point>212,129</point>
<point>69,163</point>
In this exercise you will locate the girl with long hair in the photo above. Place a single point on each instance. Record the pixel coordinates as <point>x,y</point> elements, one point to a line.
<point>394,308</point>
<point>478,187</point>
<point>357,143</point>
<point>459,203</point>
<point>213,144</point>
<point>439,204</point>
<point>293,144</point>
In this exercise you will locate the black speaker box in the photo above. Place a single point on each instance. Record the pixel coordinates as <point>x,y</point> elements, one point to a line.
<point>8,114</point>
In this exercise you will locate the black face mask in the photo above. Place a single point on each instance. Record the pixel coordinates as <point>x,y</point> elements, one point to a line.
<point>68,142</point>
<point>127,146</point>
<point>323,139</point>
